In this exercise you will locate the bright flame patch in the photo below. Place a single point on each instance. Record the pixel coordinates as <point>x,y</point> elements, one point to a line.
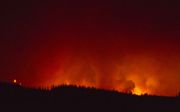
<point>138,91</point>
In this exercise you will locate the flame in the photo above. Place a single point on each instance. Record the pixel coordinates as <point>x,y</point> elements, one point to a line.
<point>94,47</point>
<point>138,91</point>
<point>105,68</point>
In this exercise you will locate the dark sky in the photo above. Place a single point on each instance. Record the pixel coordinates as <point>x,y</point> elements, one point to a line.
<point>109,44</point>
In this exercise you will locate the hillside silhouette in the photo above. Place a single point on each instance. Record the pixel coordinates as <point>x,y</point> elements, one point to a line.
<point>15,98</point>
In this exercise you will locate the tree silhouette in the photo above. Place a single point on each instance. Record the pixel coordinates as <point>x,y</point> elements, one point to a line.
<point>76,98</point>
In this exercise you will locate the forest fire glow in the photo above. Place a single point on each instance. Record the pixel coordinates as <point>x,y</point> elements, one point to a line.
<point>109,68</point>
<point>138,75</point>
<point>110,44</point>
<point>138,91</point>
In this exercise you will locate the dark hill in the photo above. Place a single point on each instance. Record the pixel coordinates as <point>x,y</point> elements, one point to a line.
<point>14,98</point>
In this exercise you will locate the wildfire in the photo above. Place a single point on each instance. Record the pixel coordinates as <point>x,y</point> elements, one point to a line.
<point>138,91</point>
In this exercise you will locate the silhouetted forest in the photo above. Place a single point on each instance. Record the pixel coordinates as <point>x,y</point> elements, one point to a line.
<point>15,98</point>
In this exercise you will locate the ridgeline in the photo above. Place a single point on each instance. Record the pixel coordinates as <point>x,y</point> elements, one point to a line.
<point>15,98</point>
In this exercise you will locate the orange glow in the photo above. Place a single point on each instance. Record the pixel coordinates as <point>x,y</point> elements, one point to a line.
<point>14,81</point>
<point>137,73</point>
<point>138,91</point>
<point>110,45</point>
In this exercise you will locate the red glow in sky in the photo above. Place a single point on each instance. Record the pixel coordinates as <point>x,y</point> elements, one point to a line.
<point>127,46</point>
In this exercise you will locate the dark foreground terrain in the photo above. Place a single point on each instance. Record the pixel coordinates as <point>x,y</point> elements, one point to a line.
<point>14,98</point>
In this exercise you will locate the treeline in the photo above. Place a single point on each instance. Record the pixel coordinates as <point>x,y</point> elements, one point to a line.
<point>80,99</point>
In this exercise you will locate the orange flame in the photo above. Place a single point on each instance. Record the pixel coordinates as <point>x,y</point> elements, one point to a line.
<point>138,91</point>
<point>132,73</point>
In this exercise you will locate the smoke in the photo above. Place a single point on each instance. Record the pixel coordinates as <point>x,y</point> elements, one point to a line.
<point>109,65</point>
<point>128,46</point>
<point>127,64</point>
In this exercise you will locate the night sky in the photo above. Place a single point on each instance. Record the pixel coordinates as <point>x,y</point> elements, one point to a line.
<point>127,45</point>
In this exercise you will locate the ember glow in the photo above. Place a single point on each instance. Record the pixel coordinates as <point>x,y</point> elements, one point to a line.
<point>14,81</point>
<point>130,47</point>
